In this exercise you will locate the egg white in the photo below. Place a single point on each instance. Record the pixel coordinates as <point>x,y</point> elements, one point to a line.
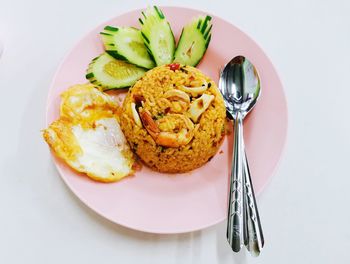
<point>102,150</point>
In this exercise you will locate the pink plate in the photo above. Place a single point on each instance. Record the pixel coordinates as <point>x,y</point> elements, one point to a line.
<point>161,203</point>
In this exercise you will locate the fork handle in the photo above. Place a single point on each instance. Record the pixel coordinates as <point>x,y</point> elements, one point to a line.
<point>235,217</point>
<point>254,238</point>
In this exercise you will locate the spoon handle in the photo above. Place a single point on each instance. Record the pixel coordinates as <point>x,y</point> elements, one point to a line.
<point>236,205</point>
<point>254,238</point>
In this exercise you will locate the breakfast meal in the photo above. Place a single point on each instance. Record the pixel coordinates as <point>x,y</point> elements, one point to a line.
<point>172,118</point>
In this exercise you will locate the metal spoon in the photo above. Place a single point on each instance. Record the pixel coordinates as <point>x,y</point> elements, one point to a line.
<point>240,86</point>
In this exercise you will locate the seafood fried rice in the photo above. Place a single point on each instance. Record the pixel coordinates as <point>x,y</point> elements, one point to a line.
<point>174,118</point>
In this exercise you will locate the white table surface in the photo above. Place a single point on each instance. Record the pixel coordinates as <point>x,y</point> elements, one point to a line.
<point>304,209</point>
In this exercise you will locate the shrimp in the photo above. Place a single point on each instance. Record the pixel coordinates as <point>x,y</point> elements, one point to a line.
<point>149,123</point>
<point>172,130</point>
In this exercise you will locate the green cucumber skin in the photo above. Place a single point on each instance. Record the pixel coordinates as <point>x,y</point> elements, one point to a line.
<point>147,44</point>
<point>116,88</point>
<point>145,38</point>
<point>174,42</point>
<point>208,31</point>
<point>158,15</point>
<point>159,12</point>
<point>207,43</point>
<point>116,55</point>
<point>89,76</point>
<point>202,28</point>
<point>102,87</point>
<point>110,28</point>
<point>150,53</point>
<point>92,78</point>
<point>110,47</point>
<point>205,23</point>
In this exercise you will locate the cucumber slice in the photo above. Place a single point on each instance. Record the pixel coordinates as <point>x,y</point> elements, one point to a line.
<point>157,36</point>
<point>108,73</point>
<point>126,43</point>
<point>194,41</point>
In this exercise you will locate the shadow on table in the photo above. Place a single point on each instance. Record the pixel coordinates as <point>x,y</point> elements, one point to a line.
<point>223,249</point>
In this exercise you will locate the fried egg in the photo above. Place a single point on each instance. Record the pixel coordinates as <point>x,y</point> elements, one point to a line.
<point>87,136</point>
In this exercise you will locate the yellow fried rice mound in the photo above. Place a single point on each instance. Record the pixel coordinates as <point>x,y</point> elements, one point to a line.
<point>174,119</point>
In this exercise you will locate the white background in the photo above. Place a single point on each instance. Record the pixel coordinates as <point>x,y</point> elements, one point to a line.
<point>304,209</point>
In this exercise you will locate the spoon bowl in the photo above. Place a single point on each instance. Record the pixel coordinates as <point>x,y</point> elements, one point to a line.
<point>240,86</point>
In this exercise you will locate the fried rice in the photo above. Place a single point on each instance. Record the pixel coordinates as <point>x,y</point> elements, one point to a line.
<point>174,118</point>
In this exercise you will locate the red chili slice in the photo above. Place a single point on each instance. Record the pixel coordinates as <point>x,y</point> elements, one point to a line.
<point>174,66</point>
